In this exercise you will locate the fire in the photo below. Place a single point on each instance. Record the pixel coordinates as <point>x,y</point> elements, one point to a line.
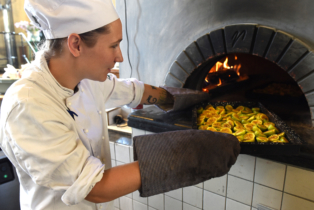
<point>223,66</point>
<point>219,82</point>
<point>226,66</point>
<point>222,69</point>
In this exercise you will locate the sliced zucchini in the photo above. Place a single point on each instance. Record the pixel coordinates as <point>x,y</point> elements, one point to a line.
<point>216,125</point>
<point>261,139</point>
<point>240,138</point>
<point>257,122</point>
<point>236,117</point>
<point>226,130</point>
<point>262,127</point>
<point>239,132</point>
<point>273,138</point>
<point>229,107</point>
<point>270,132</point>
<point>249,137</point>
<point>211,129</point>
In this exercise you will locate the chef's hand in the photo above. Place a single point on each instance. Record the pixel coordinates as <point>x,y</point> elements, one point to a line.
<point>182,98</point>
<point>177,159</point>
<point>172,99</point>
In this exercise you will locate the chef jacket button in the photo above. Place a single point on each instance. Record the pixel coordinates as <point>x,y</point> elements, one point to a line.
<point>99,112</point>
<point>98,157</point>
<point>85,130</point>
<point>69,104</point>
<point>103,137</point>
<point>100,206</point>
<point>82,90</point>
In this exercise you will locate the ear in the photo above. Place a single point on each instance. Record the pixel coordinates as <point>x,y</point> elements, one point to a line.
<point>74,44</point>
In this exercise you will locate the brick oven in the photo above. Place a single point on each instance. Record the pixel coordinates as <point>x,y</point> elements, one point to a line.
<point>179,43</point>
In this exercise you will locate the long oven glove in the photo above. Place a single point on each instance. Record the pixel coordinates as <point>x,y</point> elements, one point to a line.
<point>183,98</point>
<point>177,159</point>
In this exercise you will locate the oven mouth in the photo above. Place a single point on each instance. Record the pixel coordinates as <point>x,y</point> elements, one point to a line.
<point>288,55</point>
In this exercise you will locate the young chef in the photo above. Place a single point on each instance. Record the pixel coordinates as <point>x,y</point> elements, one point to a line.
<point>54,126</point>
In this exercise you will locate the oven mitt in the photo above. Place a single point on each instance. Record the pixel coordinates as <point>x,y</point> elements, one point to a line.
<point>183,98</point>
<point>177,159</point>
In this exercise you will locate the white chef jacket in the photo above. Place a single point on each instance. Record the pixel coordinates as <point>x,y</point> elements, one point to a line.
<point>59,159</point>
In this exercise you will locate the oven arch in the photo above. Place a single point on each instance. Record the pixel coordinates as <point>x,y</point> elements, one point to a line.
<point>289,53</point>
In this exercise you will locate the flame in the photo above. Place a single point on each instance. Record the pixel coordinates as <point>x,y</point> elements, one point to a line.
<point>222,66</point>
<point>218,65</point>
<point>226,66</point>
<point>237,69</point>
<point>219,82</point>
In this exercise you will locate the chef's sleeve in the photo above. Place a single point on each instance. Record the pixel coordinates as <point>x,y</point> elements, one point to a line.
<point>119,92</point>
<point>50,152</point>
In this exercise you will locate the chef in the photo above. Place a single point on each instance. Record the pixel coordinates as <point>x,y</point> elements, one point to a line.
<point>54,126</point>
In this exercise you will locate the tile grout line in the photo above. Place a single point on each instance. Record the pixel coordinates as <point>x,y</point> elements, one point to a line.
<point>202,196</point>
<point>226,191</point>
<point>283,187</point>
<point>253,182</point>
<point>241,202</point>
<point>257,183</point>
<point>312,201</point>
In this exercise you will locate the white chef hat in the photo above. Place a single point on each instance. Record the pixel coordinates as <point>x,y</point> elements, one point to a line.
<point>60,18</point>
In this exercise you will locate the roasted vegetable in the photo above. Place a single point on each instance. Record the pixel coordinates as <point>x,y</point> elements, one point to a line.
<point>226,130</point>
<point>261,139</point>
<point>270,132</point>
<point>273,138</point>
<point>239,132</point>
<point>249,137</point>
<point>211,129</point>
<point>244,123</point>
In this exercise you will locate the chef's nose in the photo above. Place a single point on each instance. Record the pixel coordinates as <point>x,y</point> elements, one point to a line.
<point>119,57</point>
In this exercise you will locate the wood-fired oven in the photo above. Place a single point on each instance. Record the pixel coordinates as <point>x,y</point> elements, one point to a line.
<point>229,49</point>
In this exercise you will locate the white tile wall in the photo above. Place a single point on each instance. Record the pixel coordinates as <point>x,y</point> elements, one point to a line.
<point>244,167</point>
<point>112,151</point>
<point>137,197</point>
<point>117,203</point>
<point>292,203</point>
<point>139,206</point>
<point>217,185</point>
<point>297,183</point>
<point>193,195</point>
<point>267,197</point>
<point>148,132</point>
<point>189,207</point>
<point>172,204</point>
<point>137,132</point>
<point>250,181</point>
<point>122,153</point>
<point>177,194</point>
<point>156,201</point>
<point>270,173</point>
<point>233,205</point>
<point>239,190</point>
<point>125,203</point>
<point>200,185</point>
<point>131,154</point>
<point>213,201</point>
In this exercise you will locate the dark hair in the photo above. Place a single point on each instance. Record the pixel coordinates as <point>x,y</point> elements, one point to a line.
<point>53,47</point>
